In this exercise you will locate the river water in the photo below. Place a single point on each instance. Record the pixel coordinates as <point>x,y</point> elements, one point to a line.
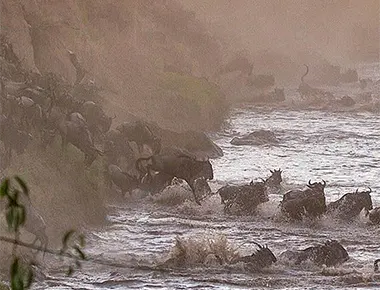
<point>341,148</point>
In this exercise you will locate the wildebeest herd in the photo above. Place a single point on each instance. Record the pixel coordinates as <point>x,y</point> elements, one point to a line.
<point>44,107</point>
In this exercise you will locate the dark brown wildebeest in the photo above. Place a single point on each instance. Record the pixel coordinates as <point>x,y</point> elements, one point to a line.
<point>374,216</point>
<point>183,166</point>
<point>76,132</point>
<point>98,122</point>
<point>273,182</point>
<point>350,205</point>
<point>124,181</point>
<point>331,253</point>
<point>245,198</point>
<point>307,91</point>
<point>260,259</point>
<point>140,133</point>
<point>310,202</point>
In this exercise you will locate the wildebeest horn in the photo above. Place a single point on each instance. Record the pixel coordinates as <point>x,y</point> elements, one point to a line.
<point>370,190</point>
<point>376,266</point>
<point>271,171</point>
<point>260,246</point>
<point>263,179</point>
<point>324,183</point>
<point>357,190</point>
<point>310,182</point>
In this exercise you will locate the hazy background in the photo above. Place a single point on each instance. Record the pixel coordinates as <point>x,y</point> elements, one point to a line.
<point>344,32</point>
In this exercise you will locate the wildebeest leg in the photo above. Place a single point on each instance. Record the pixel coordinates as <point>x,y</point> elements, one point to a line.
<point>191,184</point>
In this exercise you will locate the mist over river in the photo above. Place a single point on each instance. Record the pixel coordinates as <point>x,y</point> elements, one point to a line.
<point>341,148</point>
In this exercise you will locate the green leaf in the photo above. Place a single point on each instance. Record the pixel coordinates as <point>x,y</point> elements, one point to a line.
<point>29,277</point>
<point>4,187</point>
<point>22,214</point>
<point>23,185</point>
<point>67,236</point>
<point>14,267</point>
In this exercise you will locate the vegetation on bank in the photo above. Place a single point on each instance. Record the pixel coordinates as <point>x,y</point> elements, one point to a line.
<point>194,100</point>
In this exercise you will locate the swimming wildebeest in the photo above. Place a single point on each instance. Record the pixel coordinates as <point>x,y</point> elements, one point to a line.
<point>245,198</point>
<point>124,181</point>
<point>330,254</point>
<point>374,216</point>
<point>310,202</point>
<point>183,166</point>
<point>273,182</point>
<point>376,266</point>
<point>260,259</point>
<point>305,90</point>
<point>154,182</point>
<point>350,205</point>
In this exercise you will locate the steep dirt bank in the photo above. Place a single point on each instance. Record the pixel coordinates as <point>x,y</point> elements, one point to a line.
<point>149,58</point>
<point>127,48</point>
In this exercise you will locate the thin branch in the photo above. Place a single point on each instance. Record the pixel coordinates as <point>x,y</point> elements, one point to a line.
<point>67,255</point>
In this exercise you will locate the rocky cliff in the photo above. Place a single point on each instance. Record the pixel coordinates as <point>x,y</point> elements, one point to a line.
<point>143,54</point>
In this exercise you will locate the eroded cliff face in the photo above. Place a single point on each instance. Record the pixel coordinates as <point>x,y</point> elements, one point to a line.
<point>127,47</point>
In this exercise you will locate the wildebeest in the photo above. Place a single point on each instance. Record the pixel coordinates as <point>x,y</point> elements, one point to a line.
<point>331,253</point>
<point>310,202</point>
<point>140,133</point>
<point>12,137</point>
<point>350,205</point>
<point>98,122</point>
<point>34,222</point>
<point>154,182</point>
<point>27,111</point>
<point>273,182</point>
<point>374,216</point>
<point>245,198</point>
<point>260,259</point>
<point>306,91</point>
<point>183,167</point>
<point>75,131</point>
<point>124,181</point>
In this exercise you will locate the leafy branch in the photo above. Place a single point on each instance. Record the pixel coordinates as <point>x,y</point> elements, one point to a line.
<point>21,273</point>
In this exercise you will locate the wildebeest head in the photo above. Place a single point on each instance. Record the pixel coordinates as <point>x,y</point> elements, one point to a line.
<point>260,259</point>
<point>364,199</point>
<point>206,171</point>
<point>317,186</point>
<point>201,187</point>
<point>331,253</point>
<point>275,179</point>
<point>265,255</point>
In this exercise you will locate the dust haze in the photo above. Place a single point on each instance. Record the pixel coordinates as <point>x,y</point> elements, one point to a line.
<point>341,32</point>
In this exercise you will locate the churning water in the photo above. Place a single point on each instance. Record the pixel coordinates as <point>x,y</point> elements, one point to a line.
<point>341,148</point>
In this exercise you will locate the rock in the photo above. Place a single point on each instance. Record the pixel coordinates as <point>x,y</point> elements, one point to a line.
<point>259,137</point>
